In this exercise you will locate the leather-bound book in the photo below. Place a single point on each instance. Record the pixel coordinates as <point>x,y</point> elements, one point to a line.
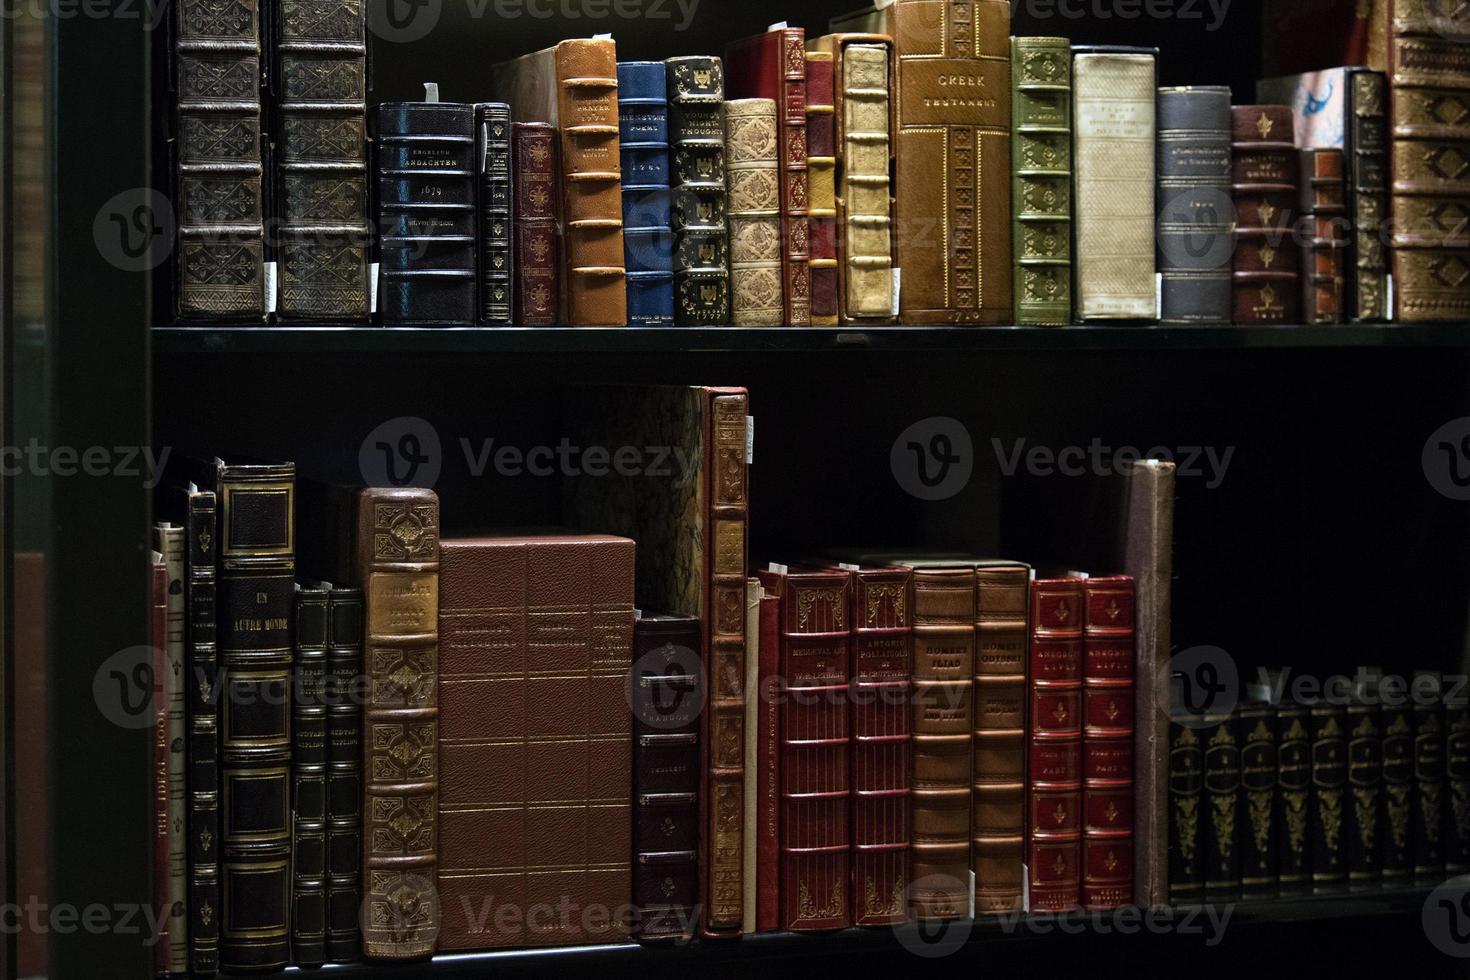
<point>750,787</point>
<point>344,773</point>
<point>666,706</point>
<point>1107,742</point>
<point>217,160</point>
<point>1457,784</point>
<point>1113,119</point>
<point>1186,876</point>
<point>767,735</point>
<point>574,87</point>
<point>1364,787</point>
<point>397,564</point>
<point>256,593</point>
<point>772,66</point>
<point>309,778</point>
<point>1347,109</point>
<point>201,668</point>
<point>1041,189</point>
<point>1258,771</point>
<point>1220,807</point>
<point>1054,778</point>
<point>1264,180</point>
<point>320,159</point>
<point>158,641</point>
<point>998,846</point>
<point>537,252</point>
<point>425,160</point>
<point>494,208</point>
<point>1427,810</point>
<point>701,235</point>
<point>1396,848</point>
<point>648,244</point>
<point>953,156</point>
<point>1323,227</point>
<point>1293,799</point>
<point>753,158</point>
<point>169,539</point>
<point>1196,233</point>
<point>816,798</point>
<point>536,802</point>
<point>1327,726</point>
<point>821,162</point>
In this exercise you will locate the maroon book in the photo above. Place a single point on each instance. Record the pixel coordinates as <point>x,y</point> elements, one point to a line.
<point>1107,743</point>
<point>768,759</point>
<point>537,286</point>
<point>1054,785</point>
<point>821,152</point>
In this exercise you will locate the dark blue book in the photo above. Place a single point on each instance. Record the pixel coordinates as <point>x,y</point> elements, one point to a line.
<point>648,240</point>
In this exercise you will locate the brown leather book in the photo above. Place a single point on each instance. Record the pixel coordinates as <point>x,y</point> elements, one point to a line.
<point>751,790</point>
<point>537,257</point>
<point>999,831</point>
<point>397,556</point>
<point>1264,182</point>
<point>953,145</point>
<point>1323,232</point>
<point>821,160</point>
<point>574,87</point>
<point>535,808</point>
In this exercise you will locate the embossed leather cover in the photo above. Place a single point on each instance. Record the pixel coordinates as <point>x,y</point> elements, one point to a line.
<point>753,157</point>
<point>201,666</point>
<point>1324,227</point>
<point>1328,730</point>
<point>397,558</point>
<point>1364,787</point>
<point>1258,768</point>
<point>537,255</point>
<point>1264,184</point>
<point>1457,784</point>
<point>773,66</point>
<point>344,773</point>
<point>1195,225</point>
<point>701,235</point>
<point>1041,191</point>
<point>535,808</point>
<point>217,179</point>
<point>1219,829</point>
<point>168,539</point>
<point>1186,794</point>
<point>816,798</point>
<point>320,159</point>
<point>1293,797</point>
<point>309,778</point>
<point>821,161</point>
<point>1427,812</point>
<point>1001,660</point>
<point>1107,743</point>
<point>1054,777</point>
<point>495,249</point>
<point>1398,795</point>
<point>648,239</point>
<point>425,159</point>
<point>574,87</point>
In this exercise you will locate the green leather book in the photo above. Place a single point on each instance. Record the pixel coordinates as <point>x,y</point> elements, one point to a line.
<point>1041,161</point>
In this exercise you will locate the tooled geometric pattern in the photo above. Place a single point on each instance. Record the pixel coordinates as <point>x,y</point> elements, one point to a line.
<point>1046,285</point>
<point>222,263</point>
<point>319,199</point>
<point>1046,66</point>
<point>403,678</point>
<point>221,139</point>
<point>796,145</point>
<point>325,139</point>
<point>324,81</point>
<point>402,753</point>
<point>402,906</point>
<point>1046,196</point>
<point>1047,152</point>
<point>701,77</point>
<point>701,164</point>
<point>755,190</point>
<point>399,825</point>
<point>323,265</point>
<point>1447,162</point>
<point>755,240</point>
<point>758,290</point>
<point>405,532</point>
<point>232,78</point>
<point>1445,108</point>
<point>1450,217</point>
<point>752,138</point>
<point>1451,272</point>
<point>331,20</point>
<point>221,200</point>
<point>1045,241</point>
<point>217,19</point>
<point>700,297</point>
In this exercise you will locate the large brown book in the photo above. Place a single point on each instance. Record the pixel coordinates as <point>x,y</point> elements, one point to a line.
<point>999,831</point>
<point>952,207</point>
<point>536,774</point>
<point>574,87</point>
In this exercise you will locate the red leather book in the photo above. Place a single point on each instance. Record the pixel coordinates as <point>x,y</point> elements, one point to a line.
<point>1055,781</point>
<point>821,155</point>
<point>815,796</point>
<point>773,66</point>
<point>768,754</point>
<point>157,640</point>
<point>538,282</point>
<point>1107,743</point>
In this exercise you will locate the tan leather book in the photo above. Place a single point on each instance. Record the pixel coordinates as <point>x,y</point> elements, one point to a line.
<point>574,87</point>
<point>999,825</point>
<point>753,594</point>
<point>1113,118</point>
<point>953,146</point>
<point>536,740</point>
<point>753,162</point>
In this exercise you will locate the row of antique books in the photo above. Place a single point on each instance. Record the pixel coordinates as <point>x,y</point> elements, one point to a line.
<point>1284,796</point>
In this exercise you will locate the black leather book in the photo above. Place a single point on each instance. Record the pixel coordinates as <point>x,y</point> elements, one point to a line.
<point>1220,808</point>
<point>425,167</point>
<point>1426,817</point>
<point>1457,784</point>
<point>342,695</point>
<point>319,81</point>
<point>1293,799</point>
<point>256,595</point>
<point>1364,787</point>
<point>1396,845</point>
<point>309,778</point>
<point>1327,724</point>
<point>1186,795</point>
<point>1367,149</point>
<point>201,669</point>
<point>666,773</point>
<point>1258,768</point>
<point>701,237</point>
<point>1196,218</point>
<point>496,201</point>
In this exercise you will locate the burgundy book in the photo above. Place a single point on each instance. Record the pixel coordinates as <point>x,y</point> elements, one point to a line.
<point>158,642</point>
<point>1264,168</point>
<point>1054,788</point>
<point>537,285</point>
<point>1107,743</point>
<point>768,757</point>
<point>773,66</point>
<point>821,155</point>
<point>815,796</point>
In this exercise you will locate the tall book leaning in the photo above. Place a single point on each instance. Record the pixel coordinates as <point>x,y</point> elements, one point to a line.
<point>1041,192</point>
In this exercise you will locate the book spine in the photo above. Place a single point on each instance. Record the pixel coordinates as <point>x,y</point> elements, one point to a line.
<point>1457,784</point>
<point>1328,727</point>
<point>426,212</point>
<point>1186,793</point>
<point>496,194</point>
<point>696,92</point>
<point>1219,823</point>
<point>1041,190</point>
<point>1258,771</point>
<point>1054,791</point>
<point>1396,855</point>
<point>1264,181</point>
<point>768,757</point>
<point>201,686</point>
<point>537,256</point>
<point>1293,798</point>
<point>821,162</point>
<point>158,640</point>
<point>344,773</point>
<point>320,68</point>
<point>864,192</point>
<point>794,186</point>
<point>309,779</point>
<point>1367,146</point>
<point>643,116</point>
<point>169,539</point>
<point>1364,787</point>
<point>398,564</point>
<point>944,689</point>
<point>1107,742</point>
<point>998,848</point>
<point>595,276</point>
<point>1427,811</point>
<point>1195,221</point>
<point>881,671</point>
<point>749,839</point>
<point>218,176</point>
<point>753,159</point>
<point>1324,223</point>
